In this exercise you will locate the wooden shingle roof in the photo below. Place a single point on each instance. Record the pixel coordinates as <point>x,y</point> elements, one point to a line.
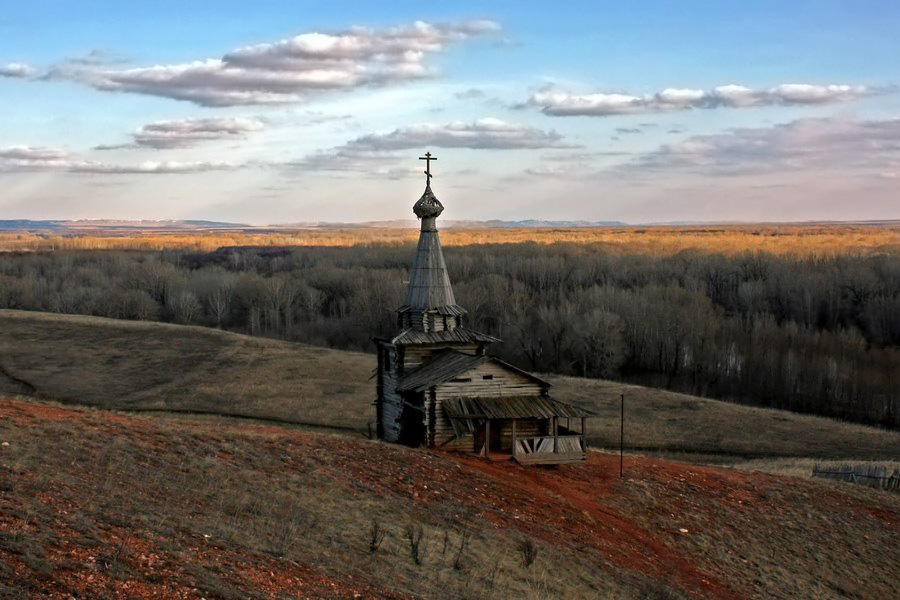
<point>457,335</point>
<point>442,367</point>
<point>429,285</point>
<point>446,365</point>
<point>512,407</point>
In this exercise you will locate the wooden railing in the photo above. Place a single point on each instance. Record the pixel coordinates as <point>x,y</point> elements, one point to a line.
<point>871,475</point>
<point>549,449</point>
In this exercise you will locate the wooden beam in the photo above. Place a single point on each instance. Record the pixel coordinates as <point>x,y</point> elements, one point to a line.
<point>555,434</point>
<point>514,438</point>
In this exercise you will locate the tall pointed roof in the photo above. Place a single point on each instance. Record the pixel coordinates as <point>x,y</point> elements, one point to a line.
<point>429,284</point>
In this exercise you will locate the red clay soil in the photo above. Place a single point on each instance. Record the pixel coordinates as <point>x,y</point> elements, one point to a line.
<point>571,498</point>
<point>83,572</point>
<point>573,506</point>
<point>134,551</point>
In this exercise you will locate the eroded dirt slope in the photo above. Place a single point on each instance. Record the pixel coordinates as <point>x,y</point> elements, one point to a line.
<point>99,504</point>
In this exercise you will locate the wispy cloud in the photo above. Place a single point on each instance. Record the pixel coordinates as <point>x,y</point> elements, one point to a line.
<point>819,145</point>
<point>189,132</point>
<point>21,158</point>
<point>25,158</point>
<point>152,167</point>
<point>569,164</point>
<point>17,70</point>
<point>483,134</point>
<point>290,70</point>
<point>565,104</point>
<point>470,94</point>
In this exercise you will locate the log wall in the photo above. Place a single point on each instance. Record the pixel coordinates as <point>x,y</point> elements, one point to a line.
<point>488,380</point>
<point>389,404</point>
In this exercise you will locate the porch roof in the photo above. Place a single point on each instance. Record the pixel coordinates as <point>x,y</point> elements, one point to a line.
<point>512,407</point>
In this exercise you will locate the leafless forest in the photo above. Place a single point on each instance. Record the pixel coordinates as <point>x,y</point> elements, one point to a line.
<point>815,332</point>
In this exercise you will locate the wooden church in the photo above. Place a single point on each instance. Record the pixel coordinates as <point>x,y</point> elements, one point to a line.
<point>438,387</point>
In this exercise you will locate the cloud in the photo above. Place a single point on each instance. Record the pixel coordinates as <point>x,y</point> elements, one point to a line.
<point>349,159</point>
<point>26,158</point>
<point>22,158</point>
<point>563,104</point>
<point>470,94</point>
<point>290,70</point>
<point>801,93</point>
<point>95,58</point>
<point>483,134</point>
<point>151,167</point>
<point>188,132</point>
<point>735,96</point>
<point>112,146</point>
<point>679,98</point>
<point>815,145</point>
<point>17,70</point>
<point>570,164</point>
<point>367,151</point>
<point>551,170</point>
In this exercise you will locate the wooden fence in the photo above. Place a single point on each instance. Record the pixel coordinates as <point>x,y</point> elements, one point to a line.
<point>549,450</point>
<point>870,475</point>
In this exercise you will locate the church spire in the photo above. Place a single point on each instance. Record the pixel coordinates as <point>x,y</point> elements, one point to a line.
<point>429,304</point>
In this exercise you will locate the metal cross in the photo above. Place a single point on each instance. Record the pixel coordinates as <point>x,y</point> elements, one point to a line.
<point>428,158</point>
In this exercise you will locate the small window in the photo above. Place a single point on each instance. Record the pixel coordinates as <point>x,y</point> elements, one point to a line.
<point>487,376</point>
<point>461,380</point>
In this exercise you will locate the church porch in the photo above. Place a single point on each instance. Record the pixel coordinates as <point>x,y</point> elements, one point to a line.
<point>537,430</point>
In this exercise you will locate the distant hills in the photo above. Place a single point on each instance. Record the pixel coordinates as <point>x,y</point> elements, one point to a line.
<point>83,225</point>
<point>188,225</point>
<point>93,224</point>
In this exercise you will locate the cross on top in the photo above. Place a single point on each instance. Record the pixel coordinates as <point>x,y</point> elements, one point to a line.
<point>428,158</point>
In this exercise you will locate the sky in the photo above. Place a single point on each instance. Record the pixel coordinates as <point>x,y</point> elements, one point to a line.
<point>275,112</point>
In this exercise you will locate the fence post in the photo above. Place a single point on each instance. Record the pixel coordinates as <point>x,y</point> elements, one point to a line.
<point>622,439</point>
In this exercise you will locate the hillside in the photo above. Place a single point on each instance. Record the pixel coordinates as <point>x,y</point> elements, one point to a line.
<point>152,366</point>
<point>104,504</point>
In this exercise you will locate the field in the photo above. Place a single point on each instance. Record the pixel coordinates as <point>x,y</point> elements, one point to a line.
<point>808,239</point>
<point>130,365</point>
<point>293,500</point>
<point>798,317</point>
<point>100,504</point>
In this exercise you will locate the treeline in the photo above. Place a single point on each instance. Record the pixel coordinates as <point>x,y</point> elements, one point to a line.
<point>811,334</point>
<point>819,240</point>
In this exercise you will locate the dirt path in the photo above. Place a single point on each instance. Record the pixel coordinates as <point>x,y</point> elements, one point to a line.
<point>572,498</point>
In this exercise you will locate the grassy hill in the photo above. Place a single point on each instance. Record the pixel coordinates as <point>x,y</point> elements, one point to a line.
<point>105,504</point>
<point>153,366</point>
<point>297,502</point>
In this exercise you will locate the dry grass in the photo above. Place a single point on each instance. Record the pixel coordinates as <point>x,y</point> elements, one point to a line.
<point>801,239</point>
<point>142,365</point>
<point>692,428</point>
<point>803,467</point>
<point>99,504</point>
<point>156,506</point>
<point>139,365</point>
